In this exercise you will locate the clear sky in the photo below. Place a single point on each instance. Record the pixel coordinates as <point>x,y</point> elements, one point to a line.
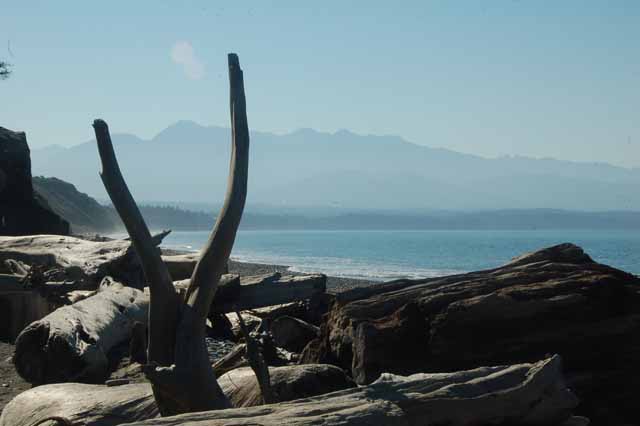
<point>538,78</point>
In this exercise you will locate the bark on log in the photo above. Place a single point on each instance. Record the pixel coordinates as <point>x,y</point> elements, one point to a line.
<point>72,343</point>
<point>556,300</point>
<point>82,261</point>
<point>524,394</point>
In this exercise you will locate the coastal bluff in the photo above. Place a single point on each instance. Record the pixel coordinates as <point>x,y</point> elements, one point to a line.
<point>22,211</point>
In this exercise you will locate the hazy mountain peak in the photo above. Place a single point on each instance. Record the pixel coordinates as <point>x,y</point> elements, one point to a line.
<point>187,131</point>
<point>305,131</point>
<point>312,168</point>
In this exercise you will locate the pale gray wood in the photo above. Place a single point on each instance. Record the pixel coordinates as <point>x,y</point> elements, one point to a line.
<point>82,261</point>
<point>72,342</point>
<point>81,404</point>
<point>523,394</point>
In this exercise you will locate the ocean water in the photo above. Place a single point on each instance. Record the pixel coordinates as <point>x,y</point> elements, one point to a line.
<point>386,255</point>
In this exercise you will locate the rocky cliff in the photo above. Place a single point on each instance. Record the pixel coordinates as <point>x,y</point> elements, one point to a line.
<point>21,212</point>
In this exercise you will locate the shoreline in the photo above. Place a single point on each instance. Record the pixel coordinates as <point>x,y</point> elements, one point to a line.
<point>334,284</point>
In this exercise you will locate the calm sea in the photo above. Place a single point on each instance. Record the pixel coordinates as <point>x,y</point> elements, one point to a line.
<point>385,255</point>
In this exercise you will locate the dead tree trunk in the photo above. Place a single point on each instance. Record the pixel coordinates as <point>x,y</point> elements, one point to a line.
<point>179,369</point>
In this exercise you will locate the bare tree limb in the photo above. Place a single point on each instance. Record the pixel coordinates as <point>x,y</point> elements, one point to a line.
<point>178,362</point>
<point>257,363</point>
<point>215,254</point>
<point>164,302</point>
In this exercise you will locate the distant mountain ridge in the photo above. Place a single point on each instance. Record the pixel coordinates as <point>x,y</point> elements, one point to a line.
<point>187,162</point>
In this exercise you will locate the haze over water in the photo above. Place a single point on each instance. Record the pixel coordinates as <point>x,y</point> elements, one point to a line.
<point>386,255</point>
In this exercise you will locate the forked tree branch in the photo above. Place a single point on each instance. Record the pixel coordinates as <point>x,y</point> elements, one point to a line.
<point>214,257</point>
<point>163,310</point>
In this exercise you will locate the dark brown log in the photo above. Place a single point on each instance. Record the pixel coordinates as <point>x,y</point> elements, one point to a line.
<point>556,300</point>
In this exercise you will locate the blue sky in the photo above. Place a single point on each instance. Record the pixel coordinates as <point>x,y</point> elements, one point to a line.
<point>536,78</point>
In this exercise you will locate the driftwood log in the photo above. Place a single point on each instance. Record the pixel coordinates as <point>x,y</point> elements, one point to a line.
<point>72,343</point>
<point>524,394</point>
<point>287,383</point>
<point>556,300</point>
<point>244,293</point>
<point>74,404</point>
<point>78,260</point>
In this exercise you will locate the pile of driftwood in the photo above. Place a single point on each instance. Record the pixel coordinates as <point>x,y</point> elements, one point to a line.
<point>303,357</point>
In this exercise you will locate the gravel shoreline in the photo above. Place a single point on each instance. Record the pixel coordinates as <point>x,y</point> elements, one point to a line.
<point>334,284</point>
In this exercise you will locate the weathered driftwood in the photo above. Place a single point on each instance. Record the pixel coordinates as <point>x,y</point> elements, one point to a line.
<point>269,292</point>
<point>75,259</point>
<point>556,300</point>
<point>181,266</point>
<point>40,351</point>
<point>257,364</point>
<point>179,369</point>
<point>245,293</point>
<point>234,359</point>
<point>524,394</point>
<point>80,404</point>
<point>72,343</point>
<point>14,267</point>
<point>287,383</point>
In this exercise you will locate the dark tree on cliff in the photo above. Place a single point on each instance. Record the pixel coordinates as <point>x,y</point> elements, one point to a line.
<point>5,70</point>
<point>179,368</point>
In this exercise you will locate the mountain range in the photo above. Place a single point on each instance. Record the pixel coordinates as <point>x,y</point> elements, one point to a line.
<point>188,163</point>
